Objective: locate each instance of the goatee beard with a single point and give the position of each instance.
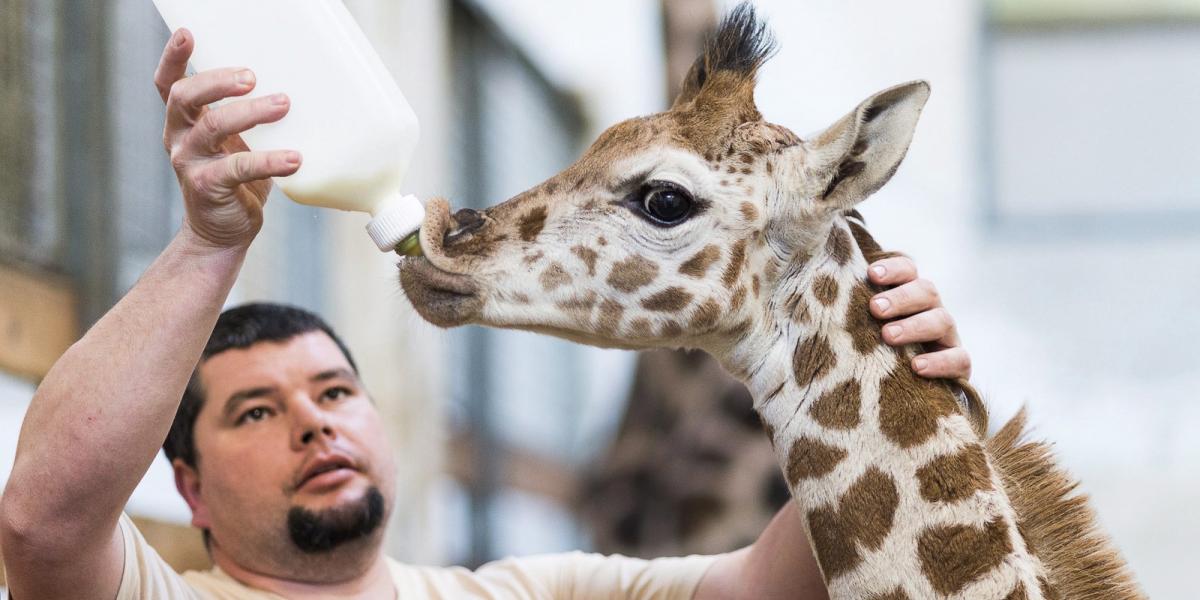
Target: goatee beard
(314, 532)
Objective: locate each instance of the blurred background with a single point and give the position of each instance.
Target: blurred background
(1052, 192)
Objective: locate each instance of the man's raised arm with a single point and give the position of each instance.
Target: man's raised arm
(100, 415)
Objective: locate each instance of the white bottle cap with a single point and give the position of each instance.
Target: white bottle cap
(394, 220)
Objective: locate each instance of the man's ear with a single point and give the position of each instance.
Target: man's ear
(187, 481)
(860, 152)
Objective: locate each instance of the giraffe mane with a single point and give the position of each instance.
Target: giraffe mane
(1055, 519)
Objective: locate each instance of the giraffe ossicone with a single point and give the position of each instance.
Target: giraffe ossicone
(707, 227)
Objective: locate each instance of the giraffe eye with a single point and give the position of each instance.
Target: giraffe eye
(666, 203)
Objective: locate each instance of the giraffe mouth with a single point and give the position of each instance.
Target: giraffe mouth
(443, 298)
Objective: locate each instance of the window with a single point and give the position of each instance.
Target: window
(1054, 69)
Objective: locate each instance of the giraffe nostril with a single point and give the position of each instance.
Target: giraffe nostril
(467, 221)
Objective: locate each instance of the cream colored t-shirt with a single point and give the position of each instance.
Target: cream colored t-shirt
(574, 575)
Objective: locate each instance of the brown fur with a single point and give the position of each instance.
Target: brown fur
(632, 274)
(839, 407)
(952, 556)
(825, 288)
(553, 277)
(812, 359)
(588, 256)
(896, 594)
(1018, 593)
(532, 223)
(698, 265)
(954, 477)
(865, 330)
(838, 246)
(810, 458)
(737, 257)
(672, 299)
(864, 515)
(909, 406)
(705, 316)
(1056, 520)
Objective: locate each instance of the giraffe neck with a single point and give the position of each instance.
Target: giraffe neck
(885, 468)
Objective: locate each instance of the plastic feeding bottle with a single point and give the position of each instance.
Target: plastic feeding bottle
(348, 118)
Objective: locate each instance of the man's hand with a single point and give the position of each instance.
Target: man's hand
(915, 313)
(224, 183)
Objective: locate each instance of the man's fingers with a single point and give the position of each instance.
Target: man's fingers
(219, 177)
(934, 325)
(173, 65)
(908, 299)
(188, 97)
(896, 270)
(217, 125)
(951, 363)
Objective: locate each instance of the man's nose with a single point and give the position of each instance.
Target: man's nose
(311, 425)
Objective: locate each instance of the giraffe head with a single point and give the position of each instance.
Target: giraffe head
(679, 229)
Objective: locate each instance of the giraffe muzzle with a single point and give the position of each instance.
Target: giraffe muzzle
(440, 297)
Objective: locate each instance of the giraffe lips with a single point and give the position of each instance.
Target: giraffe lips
(440, 297)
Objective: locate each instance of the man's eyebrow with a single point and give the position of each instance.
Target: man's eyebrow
(241, 396)
(338, 373)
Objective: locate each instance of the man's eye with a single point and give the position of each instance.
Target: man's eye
(335, 393)
(257, 413)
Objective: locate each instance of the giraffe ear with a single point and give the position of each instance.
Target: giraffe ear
(858, 154)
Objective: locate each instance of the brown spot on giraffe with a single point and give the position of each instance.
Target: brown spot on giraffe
(810, 458)
(746, 158)
(705, 316)
(770, 168)
(698, 265)
(839, 246)
(909, 406)
(737, 257)
(670, 329)
(954, 477)
(632, 274)
(600, 240)
(611, 312)
(640, 328)
(521, 298)
(952, 556)
(865, 330)
(551, 187)
(529, 259)
(813, 358)
(838, 408)
(756, 285)
(825, 288)
(864, 515)
(749, 213)
(588, 256)
(532, 223)
(579, 307)
(1017, 593)
(672, 299)
(554, 277)
(739, 298)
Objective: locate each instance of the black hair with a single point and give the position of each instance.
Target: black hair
(741, 43)
(239, 327)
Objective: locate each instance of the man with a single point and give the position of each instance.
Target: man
(276, 446)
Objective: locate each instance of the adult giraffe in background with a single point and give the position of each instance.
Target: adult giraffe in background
(707, 227)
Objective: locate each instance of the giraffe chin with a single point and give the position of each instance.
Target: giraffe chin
(440, 297)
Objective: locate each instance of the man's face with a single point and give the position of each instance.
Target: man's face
(287, 438)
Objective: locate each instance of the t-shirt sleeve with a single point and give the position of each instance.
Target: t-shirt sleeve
(146, 576)
(580, 576)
